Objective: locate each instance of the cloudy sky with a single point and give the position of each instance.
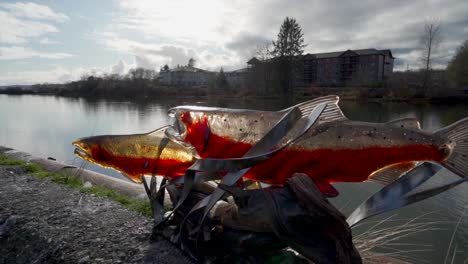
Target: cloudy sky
(59, 41)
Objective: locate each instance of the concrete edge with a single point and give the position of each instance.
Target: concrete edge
(131, 189)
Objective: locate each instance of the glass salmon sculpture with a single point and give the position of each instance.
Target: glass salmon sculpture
(335, 149)
(138, 154)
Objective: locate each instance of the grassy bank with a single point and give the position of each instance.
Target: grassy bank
(35, 170)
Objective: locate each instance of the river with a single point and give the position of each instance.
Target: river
(46, 125)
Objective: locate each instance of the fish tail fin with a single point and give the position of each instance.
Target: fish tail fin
(457, 138)
(332, 111)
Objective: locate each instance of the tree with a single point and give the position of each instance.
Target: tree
(218, 84)
(286, 49)
(141, 73)
(458, 66)
(263, 52)
(290, 41)
(261, 68)
(191, 62)
(221, 81)
(430, 41)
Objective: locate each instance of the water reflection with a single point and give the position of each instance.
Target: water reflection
(46, 125)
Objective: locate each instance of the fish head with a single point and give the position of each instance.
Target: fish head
(92, 149)
(191, 126)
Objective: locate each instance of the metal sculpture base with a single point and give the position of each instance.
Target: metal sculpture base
(257, 226)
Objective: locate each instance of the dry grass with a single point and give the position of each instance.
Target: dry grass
(383, 240)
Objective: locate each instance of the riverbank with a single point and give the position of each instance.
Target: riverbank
(42, 221)
(140, 91)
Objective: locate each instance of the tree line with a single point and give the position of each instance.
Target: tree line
(275, 73)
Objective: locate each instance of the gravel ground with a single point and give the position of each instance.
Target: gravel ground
(44, 222)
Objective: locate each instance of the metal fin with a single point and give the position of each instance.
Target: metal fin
(269, 140)
(332, 111)
(264, 144)
(407, 122)
(258, 153)
(390, 173)
(391, 196)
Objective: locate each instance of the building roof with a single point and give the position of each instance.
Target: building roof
(253, 61)
(238, 71)
(361, 52)
(188, 69)
(327, 55)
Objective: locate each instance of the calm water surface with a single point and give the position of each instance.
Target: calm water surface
(45, 126)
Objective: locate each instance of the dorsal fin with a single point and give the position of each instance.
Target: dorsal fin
(390, 173)
(332, 111)
(407, 122)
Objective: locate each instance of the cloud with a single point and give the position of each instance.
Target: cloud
(18, 53)
(34, 11)
(16, 31)
(153, 56)
(245, 44)
(60, 74)
(180, 21)
(226, 33)
(233, 29)
(47, 41)
(120, 68)
(32, 77)
(26, 22)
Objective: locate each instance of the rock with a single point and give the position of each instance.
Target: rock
(6, 225)
(84, 259)
(87, 185)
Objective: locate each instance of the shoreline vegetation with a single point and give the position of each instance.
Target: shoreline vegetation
(400, 87)
(79, 89)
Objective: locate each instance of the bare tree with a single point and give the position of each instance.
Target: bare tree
(260, 73)
(264, 51)
(430, 41)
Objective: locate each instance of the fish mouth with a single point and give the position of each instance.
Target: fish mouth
(81, 153)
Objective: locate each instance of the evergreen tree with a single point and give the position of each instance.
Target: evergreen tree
(221, 81)
(290, 41)
(287, 50)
